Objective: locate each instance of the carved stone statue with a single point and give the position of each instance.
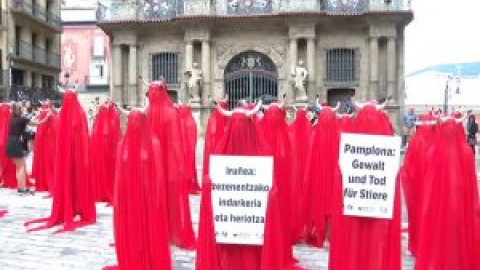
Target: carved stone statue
(194, 82)
(299, 76)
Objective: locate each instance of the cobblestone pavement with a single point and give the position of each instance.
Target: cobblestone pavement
(88, 248)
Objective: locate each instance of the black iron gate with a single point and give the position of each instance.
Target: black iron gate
(249, 76)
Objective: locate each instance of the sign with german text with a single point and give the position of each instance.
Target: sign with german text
(240, 186)
(369, 165)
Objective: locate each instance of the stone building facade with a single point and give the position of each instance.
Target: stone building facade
(29, 49)
(248, 48)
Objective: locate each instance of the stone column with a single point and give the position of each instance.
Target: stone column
(391, 66)
(207, 85)
(133, 76)
(311, 61)
(117, 74)
(293, 63)
(373, 89)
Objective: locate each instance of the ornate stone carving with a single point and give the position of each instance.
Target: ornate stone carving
(271, 50)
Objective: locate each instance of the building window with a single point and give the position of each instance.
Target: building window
(99, 71)
(98, 46)
(342, 65)
(166, 66)
(47, 82)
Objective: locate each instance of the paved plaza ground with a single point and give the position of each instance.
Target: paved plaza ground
(88, 248)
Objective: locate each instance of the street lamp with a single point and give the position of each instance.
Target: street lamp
(448, 87)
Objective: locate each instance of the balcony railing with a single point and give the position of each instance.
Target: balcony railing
(113, 10)
(36, 54)
(36, 11)
(34, 94)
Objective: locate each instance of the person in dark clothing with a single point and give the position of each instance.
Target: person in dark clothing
(15, 150)
(472, 130)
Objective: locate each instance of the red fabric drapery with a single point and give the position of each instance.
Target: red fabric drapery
(140, 210)
(104, 139)
(72, 191)
(165, 126)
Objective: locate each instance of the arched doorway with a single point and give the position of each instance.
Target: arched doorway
(342, 95)
(250, 75)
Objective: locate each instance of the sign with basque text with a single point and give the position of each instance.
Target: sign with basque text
(240, 187)
(369, 165)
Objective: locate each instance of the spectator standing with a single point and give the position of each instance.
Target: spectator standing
(409, 119)
(472, 130)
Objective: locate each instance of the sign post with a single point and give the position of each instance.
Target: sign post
(369, 165)
(240, 186)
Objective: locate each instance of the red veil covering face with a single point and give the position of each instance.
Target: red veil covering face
(240, 138)
(345, 123)
(320, 174)
(141, 233)
(213, 133)
(165, 125)
(413, 171)
(449, 224)
(276, 133)
(44, 149)
(188, 130)
(7, 168)
(359, 243)
(301, 132)
(103, 145)
(72, 194)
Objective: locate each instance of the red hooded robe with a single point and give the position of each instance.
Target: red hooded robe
(320, 174)
(140, 211)
(241, 138)
(103, 145)
(188, 129)
(359, 243)
(164, 122)
(7, 168)
(72, 191)
(213, 133)
(44, 150)
(448, 228)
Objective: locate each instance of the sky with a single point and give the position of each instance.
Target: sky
(442, 32)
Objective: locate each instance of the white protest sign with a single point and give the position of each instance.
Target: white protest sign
(369, 165)
(240, 186)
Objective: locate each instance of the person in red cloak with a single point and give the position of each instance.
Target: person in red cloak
(8, 177)
(104, 139)
(413, 172)
(322, 160)
(345, 123)
(3, 213)
(140, 210)
(164, 122)
(72, 191)
(359, 243)
(241, 138)
(447, 231)
(188, 130)
(44, 149)
(301, 132)
(213, 133)
(275, 132)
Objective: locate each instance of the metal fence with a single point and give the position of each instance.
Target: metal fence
(34, 94)
(36, 54)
